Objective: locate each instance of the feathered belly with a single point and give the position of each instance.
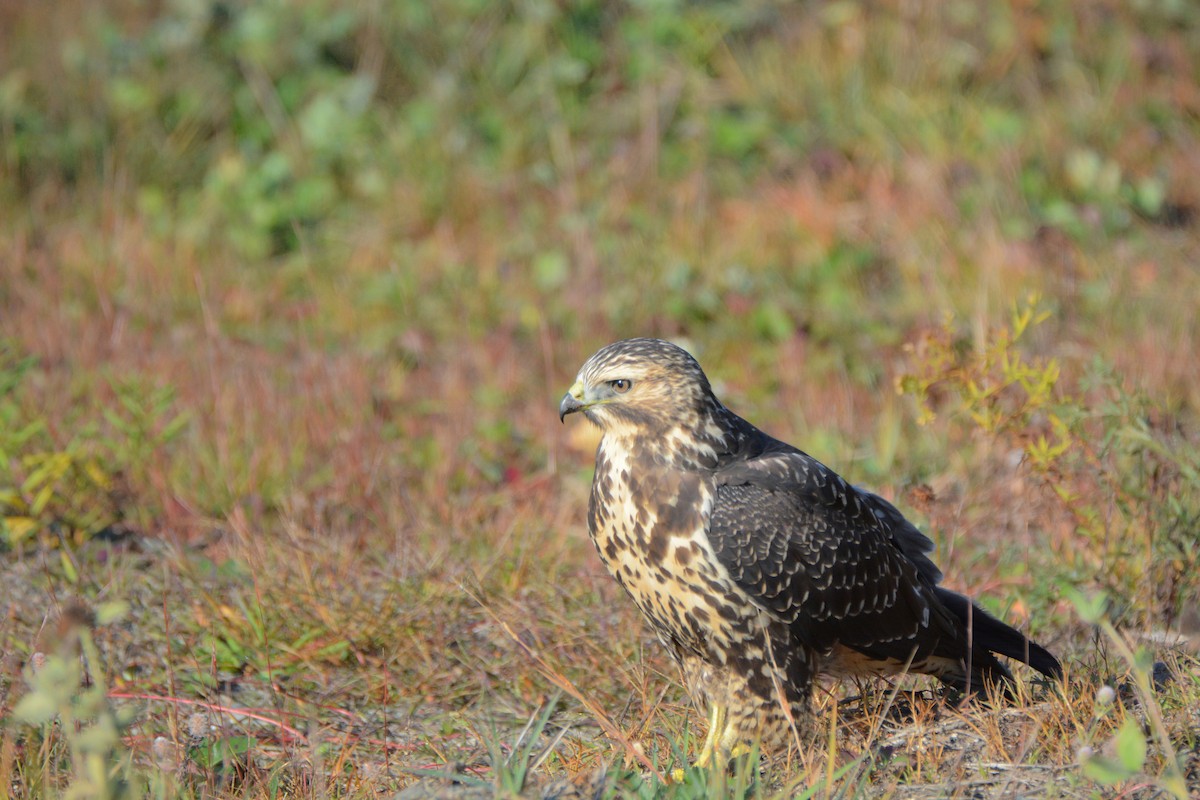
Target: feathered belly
(654, 545)
(846, 662)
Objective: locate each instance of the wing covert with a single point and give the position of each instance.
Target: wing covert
(825, 557)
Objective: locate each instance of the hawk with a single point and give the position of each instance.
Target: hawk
(760, 568)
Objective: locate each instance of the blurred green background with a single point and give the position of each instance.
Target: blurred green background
(457, 202)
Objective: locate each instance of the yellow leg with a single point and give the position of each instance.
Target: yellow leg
(716, 734)
(712, 742)
(730, 745)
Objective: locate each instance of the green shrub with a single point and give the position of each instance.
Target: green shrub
(1127, 477)
(64, 489)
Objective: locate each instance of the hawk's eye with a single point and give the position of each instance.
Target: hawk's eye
(621, 385)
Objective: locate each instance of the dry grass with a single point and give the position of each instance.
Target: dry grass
(362, 558)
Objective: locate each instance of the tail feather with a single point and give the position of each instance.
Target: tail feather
(989, 636)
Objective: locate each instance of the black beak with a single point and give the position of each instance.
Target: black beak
(569, 405)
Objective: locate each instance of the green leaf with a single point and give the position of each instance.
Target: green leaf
(1149, 196)
(1105, 770)
(1143, 660)
(1131, 745)
(228, 752)
(17, 529)
(1083, 168)
(35, 708)
(42, 499)
(1090, 608)
(100, 737)
(68, 567)
(112, 611)
(772, 323)
(172, 428)
(551, 270)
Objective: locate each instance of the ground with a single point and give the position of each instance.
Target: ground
(289, 294)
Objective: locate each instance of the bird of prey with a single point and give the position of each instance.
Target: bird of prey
(760, 568)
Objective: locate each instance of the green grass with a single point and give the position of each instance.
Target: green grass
(289, 293)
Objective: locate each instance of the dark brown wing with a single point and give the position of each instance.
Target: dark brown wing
(843, 566)
(813, 550)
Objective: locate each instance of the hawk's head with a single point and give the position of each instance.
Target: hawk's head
(641, 385)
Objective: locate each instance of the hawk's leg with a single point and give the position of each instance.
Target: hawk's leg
(722, 742)
(717, 716)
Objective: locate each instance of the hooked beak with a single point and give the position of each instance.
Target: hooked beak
(572, 401)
